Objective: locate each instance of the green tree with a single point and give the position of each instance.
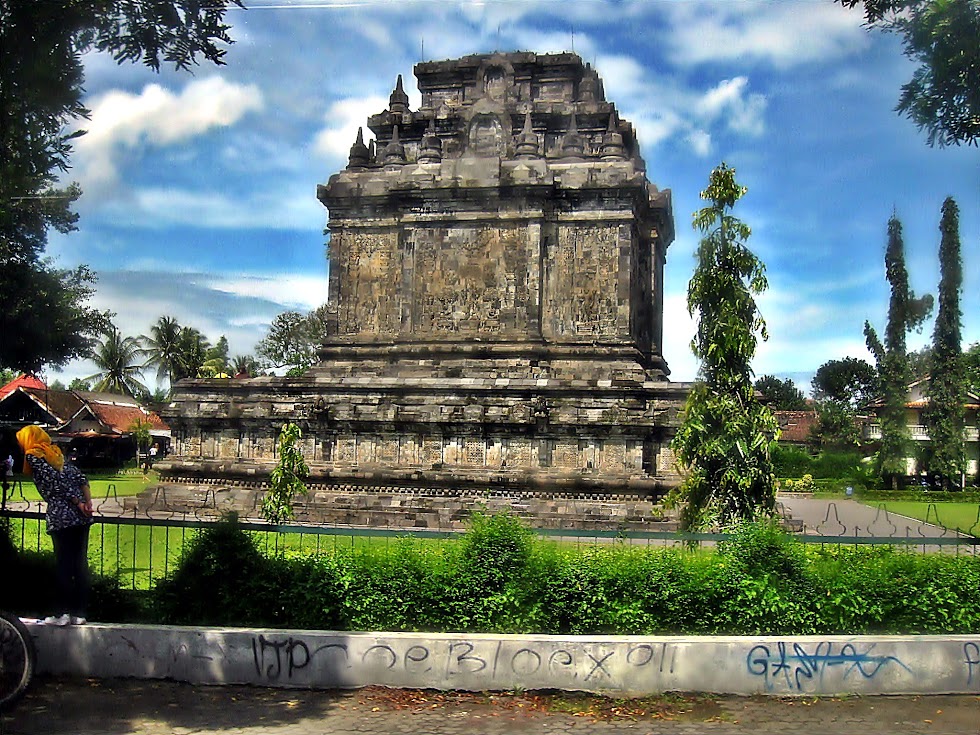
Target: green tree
(850, 381)
(162, 348)
(835, 427)
(726, 434)
(80, 384)
(905, 313)
(192, 353)
(44, 314)
(246, 365)
(140, 431)
(920, 362)
(944, 416)
(287, 477)
(118, 360)
(781, 395)
(971, 366)
(943, 36)
(294, 339)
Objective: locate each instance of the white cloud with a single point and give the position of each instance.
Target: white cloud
(344, 118)
(662, 108)
(299, 292)
(157, 117)
(700, 142)
(744, 113)
(293, 208)
(784, 33)
(238, 306)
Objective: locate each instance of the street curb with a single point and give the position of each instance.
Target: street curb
(619, 665)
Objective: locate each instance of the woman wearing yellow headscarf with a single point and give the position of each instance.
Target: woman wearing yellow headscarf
(69, 514)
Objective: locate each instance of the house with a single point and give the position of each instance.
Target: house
(916, 401)
(795, 427)
(93, 428)
(21, 381)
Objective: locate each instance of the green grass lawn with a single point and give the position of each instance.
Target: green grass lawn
(964, 516)
(103, 485)
(140, 554)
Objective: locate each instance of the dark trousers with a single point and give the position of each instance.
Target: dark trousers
(71, 559)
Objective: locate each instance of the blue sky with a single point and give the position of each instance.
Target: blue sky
(200, 190)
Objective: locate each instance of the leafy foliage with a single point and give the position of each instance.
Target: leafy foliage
(726, 433)
(222, 579)
(971, 365)
(760, 581)
(140, 431)
(835, 427)
(943, 96)
(44, 314)
(162, 348)
(294, 339)
(118, 360)
(781, 395)
(944, 415)
(850, 382)
(905, 313)
(286, 479)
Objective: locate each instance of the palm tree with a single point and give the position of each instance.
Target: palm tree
(117, 358)
(246, 365)
(192, 354)
(162, 348)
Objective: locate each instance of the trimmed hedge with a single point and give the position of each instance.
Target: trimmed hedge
(499, 578)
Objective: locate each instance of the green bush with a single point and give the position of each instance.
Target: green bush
(838, 466)
(498, 578)
(791, 461)
(222, 579)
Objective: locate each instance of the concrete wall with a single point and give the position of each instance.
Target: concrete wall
(621, 665)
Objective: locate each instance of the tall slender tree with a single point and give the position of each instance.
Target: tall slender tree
(947, 383)
(905, 313)
(120, 368)
(162, 348)
(726, 434)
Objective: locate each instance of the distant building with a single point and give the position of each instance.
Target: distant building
(95, 428)
(21, 381)
(795, 427)
(915, 404)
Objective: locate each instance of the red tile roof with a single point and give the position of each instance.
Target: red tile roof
(795, 426)
(21, 381)
(119, 418)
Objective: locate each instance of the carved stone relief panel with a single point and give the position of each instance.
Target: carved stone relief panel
(346, 449)
(614, 455)
(584, 276)
(487, 137)
(474, 452)
(519, 453)
(388, 450)
(566, 454)
(470, 281)
(431, 450)
(369, 278)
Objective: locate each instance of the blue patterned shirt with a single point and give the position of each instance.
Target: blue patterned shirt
(62, 491)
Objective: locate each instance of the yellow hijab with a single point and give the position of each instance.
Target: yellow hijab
(35, 441)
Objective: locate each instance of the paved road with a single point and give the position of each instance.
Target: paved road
(843, 518)
(118, 707)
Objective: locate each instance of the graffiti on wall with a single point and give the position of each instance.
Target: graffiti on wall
(794, 666)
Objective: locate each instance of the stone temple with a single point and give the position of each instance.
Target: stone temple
(496, 294)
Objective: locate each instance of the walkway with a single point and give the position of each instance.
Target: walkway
(118, 707)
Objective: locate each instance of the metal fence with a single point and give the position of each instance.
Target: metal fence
(141, 547)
